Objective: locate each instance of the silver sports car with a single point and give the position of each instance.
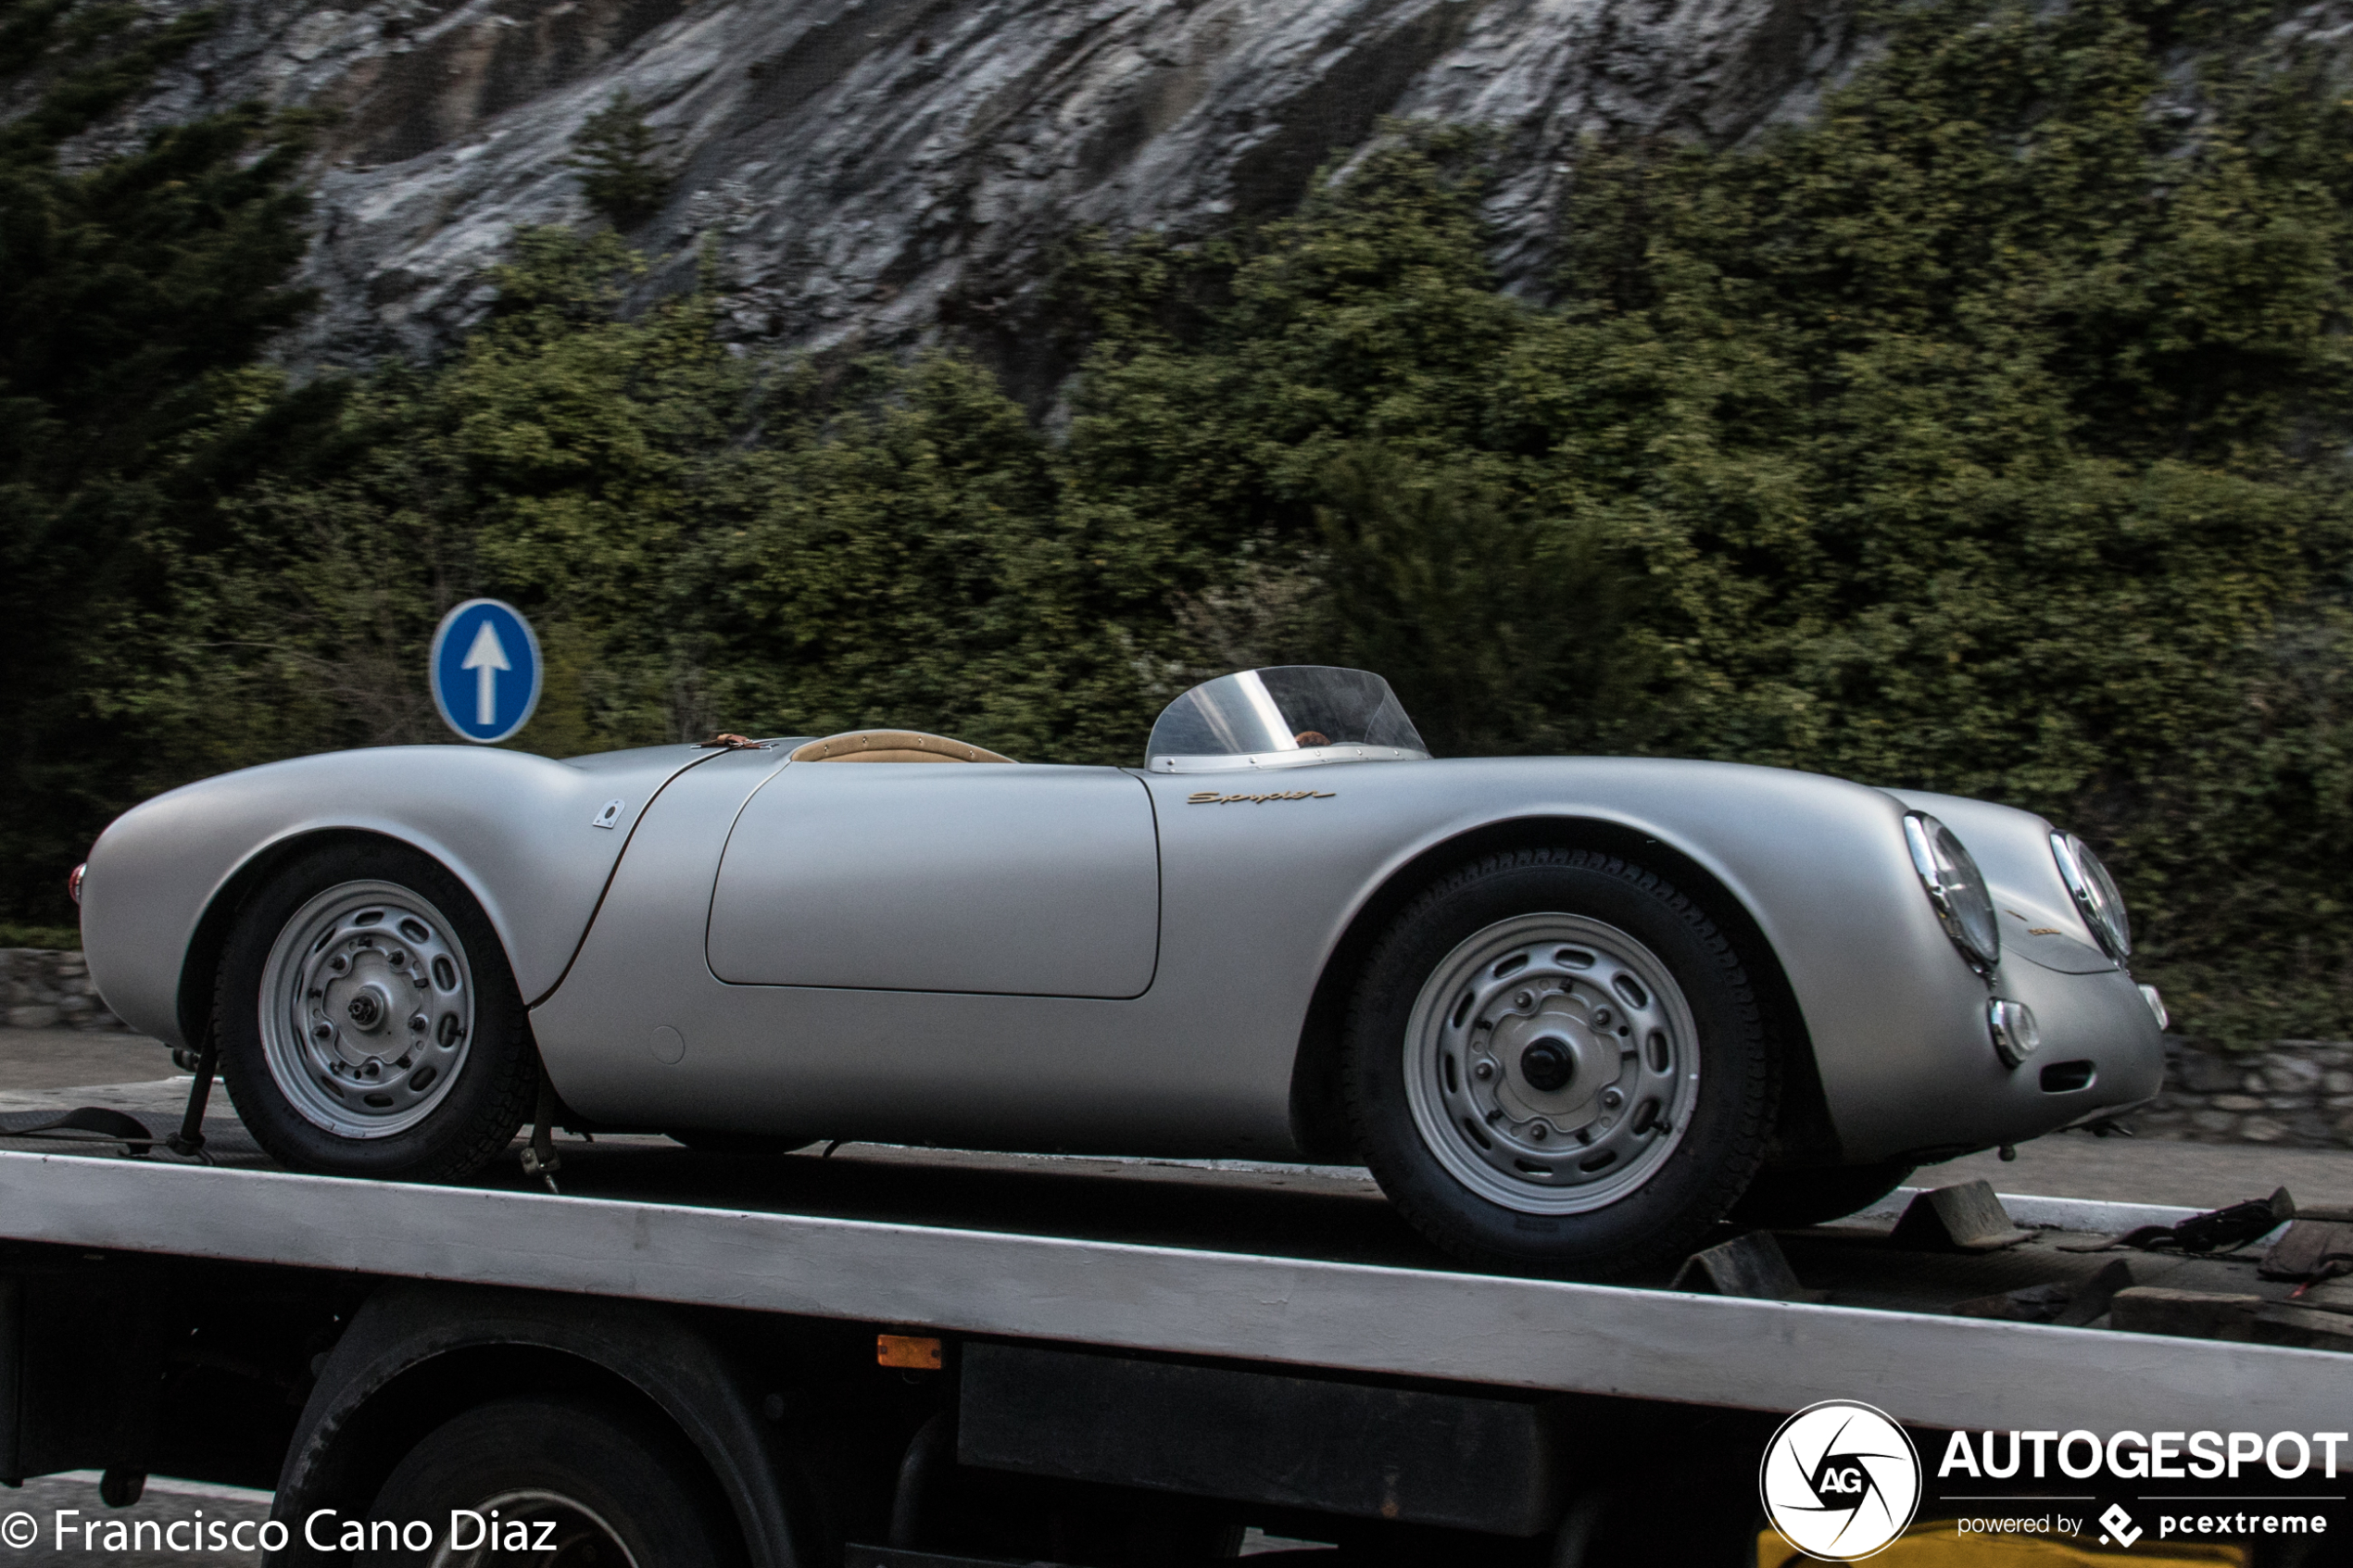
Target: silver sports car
(1572, 1012)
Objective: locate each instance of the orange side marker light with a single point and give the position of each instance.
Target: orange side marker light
(913, 1352)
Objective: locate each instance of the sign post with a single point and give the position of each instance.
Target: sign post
(485, 670)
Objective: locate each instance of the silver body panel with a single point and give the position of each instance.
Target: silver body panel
(919, 876)
(856, 892)
(517, 829)
(1928, 1369)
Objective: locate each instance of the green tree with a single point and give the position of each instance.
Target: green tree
(125, 289)
(1979, 434)
(617, 155)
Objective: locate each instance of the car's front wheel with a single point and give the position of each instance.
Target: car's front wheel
(368, 1021)
(1556, 1062)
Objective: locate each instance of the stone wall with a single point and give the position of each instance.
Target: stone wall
(40, 989)
(2297, 1094)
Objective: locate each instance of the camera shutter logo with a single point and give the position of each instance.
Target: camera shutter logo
(1840, 1480)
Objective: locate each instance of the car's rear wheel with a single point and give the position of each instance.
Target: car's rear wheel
(1556, 1062)
(544, 1480)
(369, 1022)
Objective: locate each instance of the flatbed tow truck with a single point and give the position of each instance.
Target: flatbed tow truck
(886, 1357)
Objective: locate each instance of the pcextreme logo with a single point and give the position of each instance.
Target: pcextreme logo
(1840, 1480)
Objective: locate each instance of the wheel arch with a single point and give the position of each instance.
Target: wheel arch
(416, 1355)
(1802, 1133)
(194, 998)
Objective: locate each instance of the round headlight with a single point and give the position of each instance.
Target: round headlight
(1956, 887)
(2096, 894)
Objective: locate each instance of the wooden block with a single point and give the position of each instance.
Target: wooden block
(2308, 1249)
(2329, 1296)
(2033, 1303)
(1751, 1266)
(2095, 1295)
(2280, 1323)
(1964, 1217)
(2185, 1315)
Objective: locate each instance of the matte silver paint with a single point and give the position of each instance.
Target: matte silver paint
(1943, 1372)
(921, 876)
(1254, 899)
(515, 829)
(1255, 896)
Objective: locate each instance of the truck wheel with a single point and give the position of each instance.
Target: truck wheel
(557, 1480)
(1786, 1199)
(1556, 1062)
(368, 1020)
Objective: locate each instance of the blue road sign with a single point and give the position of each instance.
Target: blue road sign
(485, 670)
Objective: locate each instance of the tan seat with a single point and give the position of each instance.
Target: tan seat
(891, 746)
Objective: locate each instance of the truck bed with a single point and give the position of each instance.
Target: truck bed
(1296, 1265)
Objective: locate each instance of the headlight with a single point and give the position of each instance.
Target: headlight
(2096, 894)
(2016, 1035)
(1956, 887)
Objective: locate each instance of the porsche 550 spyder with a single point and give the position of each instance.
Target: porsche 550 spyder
(1571, 1011)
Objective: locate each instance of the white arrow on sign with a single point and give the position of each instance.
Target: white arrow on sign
(485, 659)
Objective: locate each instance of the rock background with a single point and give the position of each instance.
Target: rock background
(897, 171)
(40, 989)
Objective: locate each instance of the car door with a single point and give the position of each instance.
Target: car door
(1020, 880)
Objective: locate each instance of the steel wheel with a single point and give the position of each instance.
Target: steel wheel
(367, 1009)
(1554, 1060)
(367, 1018)
(1550, 1060)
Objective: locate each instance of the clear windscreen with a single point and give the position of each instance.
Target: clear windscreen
(1292, 707)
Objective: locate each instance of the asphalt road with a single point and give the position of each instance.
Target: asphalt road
(56, 1058)
(65, 1503)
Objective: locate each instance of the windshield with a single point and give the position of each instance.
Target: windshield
(1285, 717)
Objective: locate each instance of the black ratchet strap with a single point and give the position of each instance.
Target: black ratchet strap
(91, 1123)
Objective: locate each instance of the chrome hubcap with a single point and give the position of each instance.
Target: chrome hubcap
(1550, 1063)
(367, 1009)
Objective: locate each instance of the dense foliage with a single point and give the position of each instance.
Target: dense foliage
(123, 290)
(1982, 433)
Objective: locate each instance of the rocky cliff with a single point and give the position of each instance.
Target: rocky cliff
(885, 171)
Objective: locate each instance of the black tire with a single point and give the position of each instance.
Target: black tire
(750, 1145)
(1784, 1199)
(1673, 1197)
(488, 1088)
(600, 1478)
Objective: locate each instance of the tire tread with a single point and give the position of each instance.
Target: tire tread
(493, 1123)
(1755, 1051)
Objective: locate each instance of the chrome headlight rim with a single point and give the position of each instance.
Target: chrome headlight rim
(2098, 898)
(1955, 889)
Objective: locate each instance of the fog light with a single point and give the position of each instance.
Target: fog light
(2157, 1005)
(2014, 1036)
